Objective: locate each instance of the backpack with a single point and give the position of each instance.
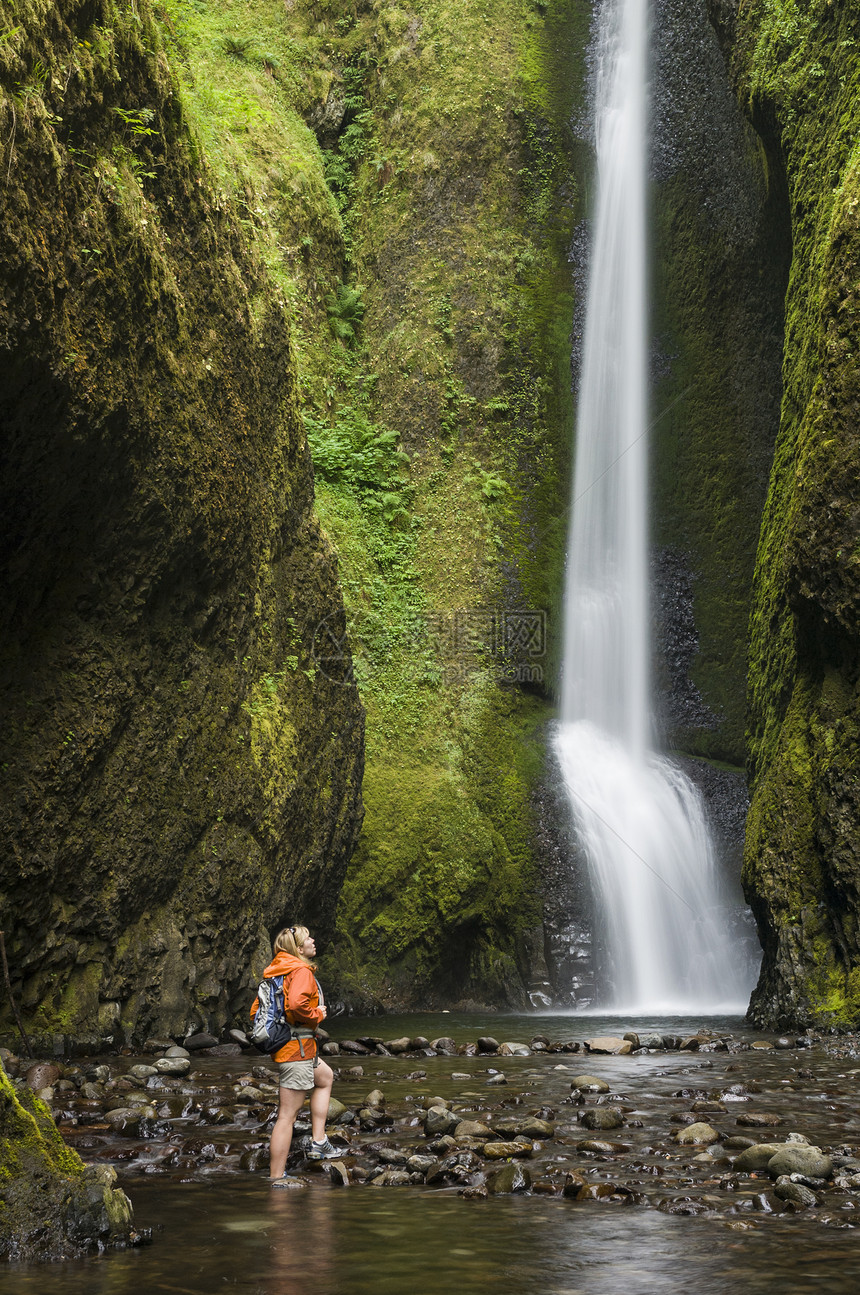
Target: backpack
(270, 1029)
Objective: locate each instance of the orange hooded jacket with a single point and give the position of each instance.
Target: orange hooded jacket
(301, 1004)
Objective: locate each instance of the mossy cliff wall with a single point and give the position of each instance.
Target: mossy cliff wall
(176, 775)
(408, 173)
(797, 70)
(718, 284)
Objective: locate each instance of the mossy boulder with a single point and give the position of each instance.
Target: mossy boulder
(52, 1206)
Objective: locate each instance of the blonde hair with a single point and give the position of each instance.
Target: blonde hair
(291, 940)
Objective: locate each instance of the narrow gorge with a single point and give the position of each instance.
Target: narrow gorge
(292, 298)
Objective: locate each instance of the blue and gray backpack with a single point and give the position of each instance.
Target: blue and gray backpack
(270, 1029)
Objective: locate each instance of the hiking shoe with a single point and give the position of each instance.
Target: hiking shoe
(324, 1150)
(286, 1182)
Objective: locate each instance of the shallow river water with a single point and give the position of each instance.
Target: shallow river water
(218, 1228)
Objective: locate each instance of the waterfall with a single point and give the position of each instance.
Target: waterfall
(639, 819)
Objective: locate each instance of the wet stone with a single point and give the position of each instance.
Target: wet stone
(602, 1117)
(598, 1146)
(698, 1134)
(759, 1120)
(503, 1150)
(445, 1046)
(756, 1158)
(42, 1075)
(589, 1084)
(175, 1065)
(439, 1120)
(472, 1129)
(510, 1178)
(497, 1080)
(787, 1190)
(512, 1049)
(488, 1044)
(795, 1158)
(609, 1044)
(196, 1041)
(376, 1098)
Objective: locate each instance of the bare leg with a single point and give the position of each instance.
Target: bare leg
(290, 1103)
(323, 1080)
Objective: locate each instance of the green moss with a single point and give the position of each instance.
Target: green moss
(797, 70)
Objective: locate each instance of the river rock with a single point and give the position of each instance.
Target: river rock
(375, 1098)
(510, 1178)
(756, 1158)
(124, 1120)
(445, 1047)
(337, 1111)
(173, 1065)
(651, 1040)
(439, 1120)
(795, 1158)
(759, 1120)
(515, 1050)
(472, 1129)
(195, 1042)
(497, 1079)
(354, 1047)
(609, 1044)
(42, 1075)
(488, 1044)
(396, 1046)
(390, 1155)
(698, 1134)
(589, 1084)
(142, 1072)
(632, 1038)
(391, 1178)
(602, 1117)
(572, 1184)
(419, 1043)
(503, 1150)
(786, 1190)
(601, 1147)
(532, 1127)
(419, 1164)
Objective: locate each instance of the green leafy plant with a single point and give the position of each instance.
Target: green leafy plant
(345, 311)
(238, 47)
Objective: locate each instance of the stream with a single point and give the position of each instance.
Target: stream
(218, 1227)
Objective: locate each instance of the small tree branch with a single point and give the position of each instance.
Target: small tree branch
(11, 996)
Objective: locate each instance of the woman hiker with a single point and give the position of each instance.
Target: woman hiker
(301, 1069)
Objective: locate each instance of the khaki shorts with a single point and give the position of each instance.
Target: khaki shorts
(298, 1074)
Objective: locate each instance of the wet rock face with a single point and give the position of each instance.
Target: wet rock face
(802, 860)
(177, 773)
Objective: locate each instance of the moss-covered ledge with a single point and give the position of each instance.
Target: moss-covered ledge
(797, 71)
(52, 1206)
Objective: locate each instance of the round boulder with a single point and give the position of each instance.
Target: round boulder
(700, 1135)
(796, 1158)
(602, 1117)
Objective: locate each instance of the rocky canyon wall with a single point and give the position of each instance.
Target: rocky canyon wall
(177, 775)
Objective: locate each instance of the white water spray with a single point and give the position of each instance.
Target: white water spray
(640, 820)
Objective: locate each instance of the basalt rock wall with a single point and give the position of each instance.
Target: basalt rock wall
(177, 776)
(797, 73)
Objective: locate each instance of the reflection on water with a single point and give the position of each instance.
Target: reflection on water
(233, 1233)
(247, 1239)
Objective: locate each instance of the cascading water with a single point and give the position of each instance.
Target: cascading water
(640, 820)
